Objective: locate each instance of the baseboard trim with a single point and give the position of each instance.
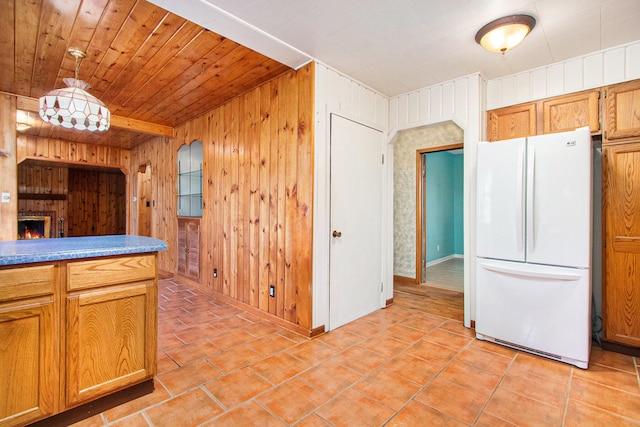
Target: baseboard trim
(308, 333)
(621, 348)
(90, 409)
(389, 303)
(405, 280)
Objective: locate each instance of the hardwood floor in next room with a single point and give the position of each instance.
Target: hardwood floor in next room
(440, 295)
(220, 366)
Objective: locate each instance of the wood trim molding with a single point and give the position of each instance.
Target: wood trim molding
(405, 279)
(308, 333)
(32, 105)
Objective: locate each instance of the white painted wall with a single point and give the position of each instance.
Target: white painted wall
(463, 101)
(337, 93)
(459, 101)
(606, 67)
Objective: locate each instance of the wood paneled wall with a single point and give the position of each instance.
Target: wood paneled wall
(161, 155)
(55, 150)
(256, 228)
(8, 168)
(97, 203)
(44, 180)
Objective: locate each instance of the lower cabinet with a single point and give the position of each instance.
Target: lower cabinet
(109, 340)
(29, 356)
(67, 339)
(189, 248)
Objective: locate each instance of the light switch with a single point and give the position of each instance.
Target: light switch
(6, 197)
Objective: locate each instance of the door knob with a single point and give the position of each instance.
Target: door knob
(337, 233)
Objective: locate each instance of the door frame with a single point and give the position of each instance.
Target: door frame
(421, 196)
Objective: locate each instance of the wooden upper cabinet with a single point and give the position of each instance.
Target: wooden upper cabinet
(623, 110)
(512, 122)
(567, 113)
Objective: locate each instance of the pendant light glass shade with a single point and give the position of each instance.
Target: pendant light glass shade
(505, 33)
(73, 107)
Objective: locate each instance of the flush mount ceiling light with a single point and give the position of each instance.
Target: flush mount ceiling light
(505, 33)
(73, 107)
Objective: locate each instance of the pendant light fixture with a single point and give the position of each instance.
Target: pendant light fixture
(505, 33)
(73, 107)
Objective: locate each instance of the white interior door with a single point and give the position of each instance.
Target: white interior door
(355, 276)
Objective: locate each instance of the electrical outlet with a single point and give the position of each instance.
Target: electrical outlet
(215, 273)
(272, 291)
(438, 248)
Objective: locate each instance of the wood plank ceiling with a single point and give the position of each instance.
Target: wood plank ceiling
(150, 67)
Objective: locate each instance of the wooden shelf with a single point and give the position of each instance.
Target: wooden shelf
(41, 196)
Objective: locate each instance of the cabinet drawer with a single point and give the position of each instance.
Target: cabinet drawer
(25, 282)
(109, 271)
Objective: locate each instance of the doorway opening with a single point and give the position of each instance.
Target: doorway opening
(409, 197)
(439, 217)
(145, 200)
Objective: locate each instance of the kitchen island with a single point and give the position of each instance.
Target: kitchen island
(78, 324)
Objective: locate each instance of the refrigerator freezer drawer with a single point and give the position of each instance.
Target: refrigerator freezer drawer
(540, 308)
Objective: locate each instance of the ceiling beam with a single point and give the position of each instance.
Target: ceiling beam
(26, 103)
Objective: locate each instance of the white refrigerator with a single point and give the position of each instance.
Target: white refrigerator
(533, 277)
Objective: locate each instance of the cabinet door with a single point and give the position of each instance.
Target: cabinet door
(111, 341)
(623, 110)
(621, 293)
(189, 248)
(511, 122)
(567, 113)
(29, 352)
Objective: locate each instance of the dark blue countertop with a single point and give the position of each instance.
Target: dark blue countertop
(41, 250)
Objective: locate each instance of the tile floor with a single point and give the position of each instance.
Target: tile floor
(219, 366)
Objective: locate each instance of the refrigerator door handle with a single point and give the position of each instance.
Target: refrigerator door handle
(520, 206)
(531, 175)
(552, 274)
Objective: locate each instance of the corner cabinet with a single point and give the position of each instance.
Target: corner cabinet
(29, 352)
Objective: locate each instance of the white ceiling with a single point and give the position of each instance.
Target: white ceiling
(397, 46)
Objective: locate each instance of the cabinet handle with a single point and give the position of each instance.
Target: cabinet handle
(337, 233)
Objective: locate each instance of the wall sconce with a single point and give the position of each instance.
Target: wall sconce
(505, 33)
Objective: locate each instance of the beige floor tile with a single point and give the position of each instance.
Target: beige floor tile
(293, 400)
(580, 414)
(235, 358)
(451, 399)
(279, 368)
(417, 414)
(330, 377)
(603, 397)
(187, 377)
(448, 339)
(188, 409)
(388, 388)
(470, 377)
(353, 408)
(249, 414)
(238, 387)
(432, 353)
(412, 368)
(523, 411)
(360, 359)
